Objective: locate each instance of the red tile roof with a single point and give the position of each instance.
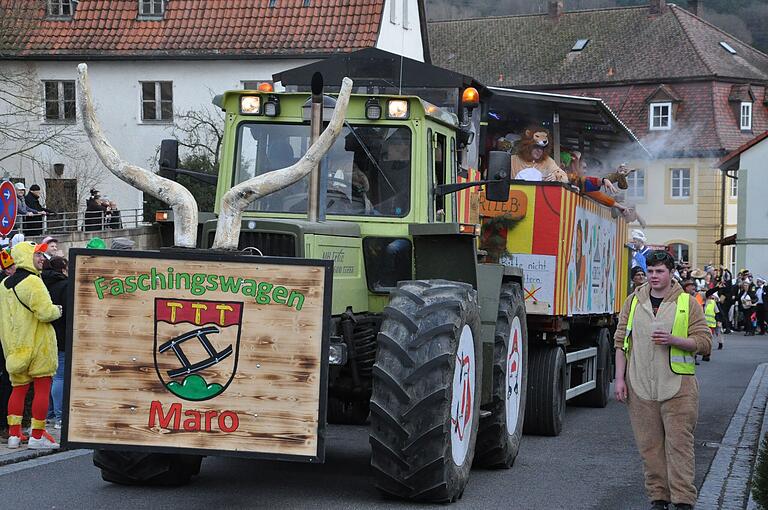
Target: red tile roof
(726, 160)
(189, 28)
(705, 123)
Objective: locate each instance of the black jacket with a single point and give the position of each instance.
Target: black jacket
(58, 288)
(33, 202)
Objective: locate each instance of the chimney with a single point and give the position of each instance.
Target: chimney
(555, 9)
(658, 6)
(693, 6)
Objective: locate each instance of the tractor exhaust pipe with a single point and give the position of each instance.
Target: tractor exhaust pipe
(239, 197)
(314, 212)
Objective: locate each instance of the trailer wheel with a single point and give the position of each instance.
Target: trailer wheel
(347, 412)
(545, 405)
(427, 378)
(599, 396)
(135, 468)
(498, 439)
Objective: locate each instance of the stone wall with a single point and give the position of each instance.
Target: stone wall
(146, 238)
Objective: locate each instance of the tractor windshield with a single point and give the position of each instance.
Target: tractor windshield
(367, 172)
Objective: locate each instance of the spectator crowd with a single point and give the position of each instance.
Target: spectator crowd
(34, 300)
(31, 213)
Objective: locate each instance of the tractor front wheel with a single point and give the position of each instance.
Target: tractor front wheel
(135, 468)
(426, 391)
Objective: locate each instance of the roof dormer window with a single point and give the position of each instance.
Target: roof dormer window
(151, 8)
(61, 8)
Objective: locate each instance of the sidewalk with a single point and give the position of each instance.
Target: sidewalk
(728, 482)
(22, 453)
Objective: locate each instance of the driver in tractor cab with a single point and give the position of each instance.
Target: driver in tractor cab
(395, 166)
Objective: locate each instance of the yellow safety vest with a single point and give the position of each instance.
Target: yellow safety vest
(709, 313)
(681, 362)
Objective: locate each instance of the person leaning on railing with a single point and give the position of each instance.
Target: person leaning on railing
(95, 211)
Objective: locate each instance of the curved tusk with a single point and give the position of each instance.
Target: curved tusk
(172, 193)
(239, 197)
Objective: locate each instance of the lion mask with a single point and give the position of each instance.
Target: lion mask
(534, 137)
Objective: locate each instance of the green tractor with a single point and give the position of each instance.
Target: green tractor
(426, 340)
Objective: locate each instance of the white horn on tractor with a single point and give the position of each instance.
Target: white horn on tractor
(239, 197)
(174, 194)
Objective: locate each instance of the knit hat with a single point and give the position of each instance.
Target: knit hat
(34, 187)
(122, 243)
(6, 260)
(97, 243)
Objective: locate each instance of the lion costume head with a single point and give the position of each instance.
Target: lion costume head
(534, 138)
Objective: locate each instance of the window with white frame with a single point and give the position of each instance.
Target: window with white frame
(681, 182)
(636, 185)
(59, 100)
(732, 259)
(59, 7)
(734, 188)
(151, 7)
(681, 252)
(660, 116)
(157, 101)
(745, 117)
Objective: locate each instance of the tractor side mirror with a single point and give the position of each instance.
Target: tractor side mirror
(499, 170)
(169, 156)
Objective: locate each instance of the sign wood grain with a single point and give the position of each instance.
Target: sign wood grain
(214, 354)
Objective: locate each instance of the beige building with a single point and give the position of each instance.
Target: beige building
(680, 200)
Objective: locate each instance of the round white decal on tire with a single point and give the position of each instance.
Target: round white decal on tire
(514, 374)
(462, 401)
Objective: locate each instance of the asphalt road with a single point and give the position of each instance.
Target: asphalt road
(592, 465)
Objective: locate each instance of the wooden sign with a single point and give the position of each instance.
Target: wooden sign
(515, 207)
(198, 352)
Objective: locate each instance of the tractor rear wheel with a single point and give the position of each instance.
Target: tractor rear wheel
(498, 439)
(135, 468)
(427, 378)
(545, 405)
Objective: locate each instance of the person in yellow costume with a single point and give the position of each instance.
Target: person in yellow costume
(29, 342)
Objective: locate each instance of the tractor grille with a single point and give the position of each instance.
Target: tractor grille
(270, 244)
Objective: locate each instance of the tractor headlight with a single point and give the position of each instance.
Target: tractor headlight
(397, 109)
(337, 354)
(272, 107)
(372, 109)
(250, 105)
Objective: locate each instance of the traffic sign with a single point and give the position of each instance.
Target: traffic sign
(7, 207)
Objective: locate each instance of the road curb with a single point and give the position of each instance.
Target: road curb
(728, 480)
(24, 454)
(751, 503)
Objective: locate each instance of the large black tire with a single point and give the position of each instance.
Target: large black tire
(600, 396)
(421, 446)
(545, 405)
(498, 440)
(135, 468)
(347, 412)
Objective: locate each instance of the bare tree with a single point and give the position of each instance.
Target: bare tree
(22, 108)
(201, 132)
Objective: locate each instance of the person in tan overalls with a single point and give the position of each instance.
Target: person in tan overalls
(660, 330)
